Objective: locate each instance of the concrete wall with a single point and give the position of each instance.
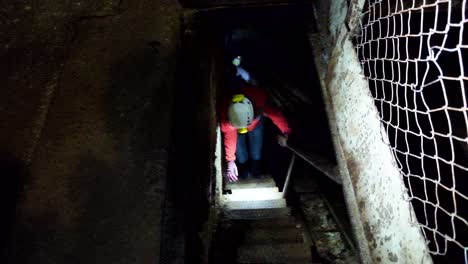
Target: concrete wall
(86, 110)
(381, 217)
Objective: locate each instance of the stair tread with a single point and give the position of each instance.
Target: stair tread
(274, 253)
(280, 222)
(251, 183)
(253, 197)
(274, 235)
(256, 204)
(270, 193)
(257, 213)
(266, 190)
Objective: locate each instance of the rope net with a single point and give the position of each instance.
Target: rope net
(413, 53)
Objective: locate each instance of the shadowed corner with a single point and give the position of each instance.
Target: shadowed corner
(13, 172)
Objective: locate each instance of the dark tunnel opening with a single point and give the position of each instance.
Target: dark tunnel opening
(277, 53)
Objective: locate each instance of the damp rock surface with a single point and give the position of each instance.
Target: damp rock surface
(87, 89)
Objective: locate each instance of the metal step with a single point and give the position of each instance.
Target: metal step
(270, 193)
(275, 253)
(254, 194)
(257, 213)
(274, 236)
(259, 204)
(257, 191)
(281, 222)
(251, 183)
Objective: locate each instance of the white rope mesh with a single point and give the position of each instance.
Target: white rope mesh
(413, 54)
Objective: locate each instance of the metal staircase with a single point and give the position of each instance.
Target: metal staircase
(257, 227)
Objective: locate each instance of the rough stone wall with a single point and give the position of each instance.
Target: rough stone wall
(86, 110)
(381, 217)
(378, 187)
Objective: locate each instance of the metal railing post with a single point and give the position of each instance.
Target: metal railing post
(288, 176)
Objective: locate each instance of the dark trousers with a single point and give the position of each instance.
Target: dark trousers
(250, 145)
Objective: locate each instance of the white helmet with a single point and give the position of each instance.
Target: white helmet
(237, 61)
(241, 113)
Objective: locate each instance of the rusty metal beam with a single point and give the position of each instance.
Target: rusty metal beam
(325, 166)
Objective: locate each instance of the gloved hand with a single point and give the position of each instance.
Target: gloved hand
(243, 74)
(231, 172)
(282, 140)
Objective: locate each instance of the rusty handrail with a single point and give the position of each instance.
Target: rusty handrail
(326, 167)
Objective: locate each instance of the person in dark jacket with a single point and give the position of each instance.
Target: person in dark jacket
(241, 119)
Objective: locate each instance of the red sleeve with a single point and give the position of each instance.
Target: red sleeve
(229, 134)
(278, 118)
(230, 141)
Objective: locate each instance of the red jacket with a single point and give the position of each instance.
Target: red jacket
(259, 100)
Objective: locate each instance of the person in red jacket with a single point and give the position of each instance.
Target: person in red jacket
(241, 120)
